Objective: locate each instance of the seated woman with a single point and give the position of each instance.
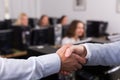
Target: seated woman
(21, 30)
(75, 33)
(43, 22)
(63, 20)
(22, 20)
(59, 29)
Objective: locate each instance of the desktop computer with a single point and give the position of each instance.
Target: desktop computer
(21, 37)
(44, 36)
(96, 28)
(64, 30)
(5, 41)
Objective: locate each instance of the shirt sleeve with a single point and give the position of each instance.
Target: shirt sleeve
(103, 54)
(31, 69)
(88, 51)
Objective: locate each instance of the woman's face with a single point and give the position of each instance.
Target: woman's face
(64, 21)
(45, 21)
(79, 30)
(24, 20)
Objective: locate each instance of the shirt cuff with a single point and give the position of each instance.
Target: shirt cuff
(51, 63)
(88, 51)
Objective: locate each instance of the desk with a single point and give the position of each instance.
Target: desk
(13, 55)
(41, 50)
(17, 54)
(99, 40)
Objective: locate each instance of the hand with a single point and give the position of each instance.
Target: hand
(77, 49)
(72, 62)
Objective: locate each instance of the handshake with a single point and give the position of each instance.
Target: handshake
(72, 58)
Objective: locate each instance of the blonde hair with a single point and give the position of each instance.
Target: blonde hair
(18, 21)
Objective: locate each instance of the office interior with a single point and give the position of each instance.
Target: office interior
(40, 27)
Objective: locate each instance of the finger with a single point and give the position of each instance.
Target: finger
(63, 49)
(68, 53)
(75, 68)
(62, 72)
(81, 60)
(79, 66)
(67, 73)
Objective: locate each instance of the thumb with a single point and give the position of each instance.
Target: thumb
(68, 53)
(63, 49)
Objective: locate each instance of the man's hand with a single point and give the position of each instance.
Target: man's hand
(76, 49)
(72, 62)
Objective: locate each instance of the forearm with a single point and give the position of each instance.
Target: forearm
(33, 68)
(103, 54)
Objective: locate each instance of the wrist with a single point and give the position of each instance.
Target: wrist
(81, 50)
(84, 51)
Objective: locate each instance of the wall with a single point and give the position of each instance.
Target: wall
(1, 9)
(31, 7)
(96, 10)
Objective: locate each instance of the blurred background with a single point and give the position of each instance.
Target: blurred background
(39, 27)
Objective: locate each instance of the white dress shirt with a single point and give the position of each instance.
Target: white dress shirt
(33, 68)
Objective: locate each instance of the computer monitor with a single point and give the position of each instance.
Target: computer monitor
(53, 20)
(96, 28)
(33, 22)
(44, 36)
(2, 25)
(21, 37)
(51, 35)
(6, 24)
(64, 30)
(38, 36)
(5, 41)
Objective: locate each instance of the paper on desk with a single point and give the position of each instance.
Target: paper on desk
(40, 47)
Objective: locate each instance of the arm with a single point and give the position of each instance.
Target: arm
(33, 68)
(103, 54)
(39, 67)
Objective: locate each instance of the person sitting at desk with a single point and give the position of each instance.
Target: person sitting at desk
(22, 29)
(59, 29)
(75, 33)
(63, 20)
(22, 20)
(43, 22)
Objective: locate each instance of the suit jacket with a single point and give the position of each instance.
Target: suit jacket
(103, 54)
